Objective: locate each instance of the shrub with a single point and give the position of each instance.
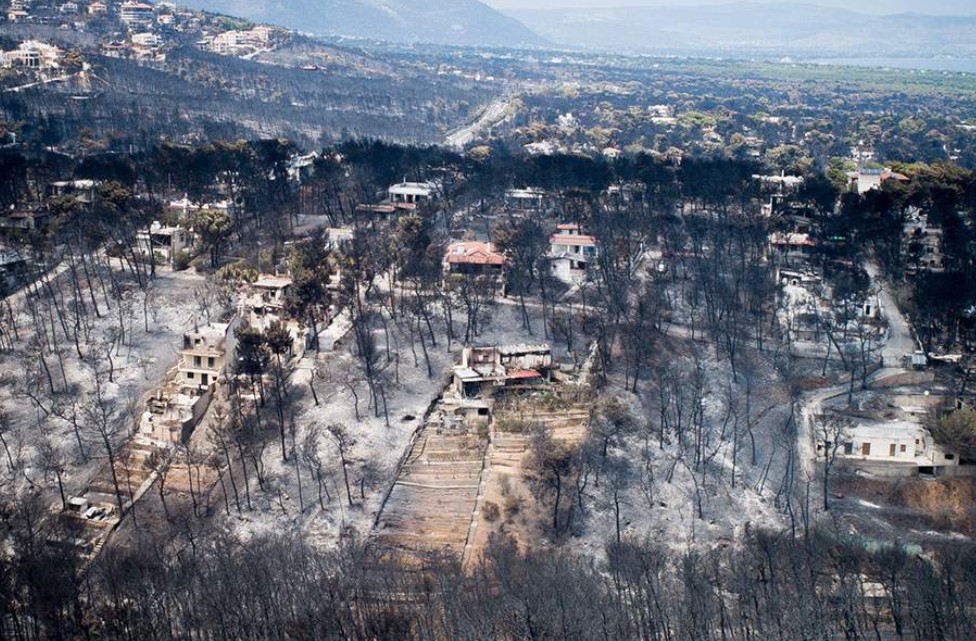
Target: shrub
(490, 511)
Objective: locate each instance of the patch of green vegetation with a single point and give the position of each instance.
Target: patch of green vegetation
(231, 23)
(912, 81)
(512, 425)
(697, 119)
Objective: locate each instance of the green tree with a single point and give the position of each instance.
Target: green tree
(311, 269)
(252, 357)
(214, 227)
(957, 432)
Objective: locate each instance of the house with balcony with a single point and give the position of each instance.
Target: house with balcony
(413, 193)
(527, 199)
(136, 14)
(173, 412)
(571, 252)
(792, 247)
(204, 355)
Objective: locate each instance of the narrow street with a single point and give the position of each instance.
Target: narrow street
(899, 342)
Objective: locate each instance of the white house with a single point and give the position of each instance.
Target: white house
(895, 448)
(412, 192)
(136, 14)
(570, 252)
(204, 356)
(146, 39)
(922, 245)
(33, 54)
(164, 241)
(528, 198)
(263, 303)
(865, 180)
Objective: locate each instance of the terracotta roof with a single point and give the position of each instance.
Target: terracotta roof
(522, 374)
(572, 239)
(473, 253)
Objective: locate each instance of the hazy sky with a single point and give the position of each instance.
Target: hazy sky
(935, 7)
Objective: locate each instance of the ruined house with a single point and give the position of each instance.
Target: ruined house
(204, 355)
(164, 241)
(263, 302)
(485, 369)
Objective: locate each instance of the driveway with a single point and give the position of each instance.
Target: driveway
(900, 340)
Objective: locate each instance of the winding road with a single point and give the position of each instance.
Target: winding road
(899, 342)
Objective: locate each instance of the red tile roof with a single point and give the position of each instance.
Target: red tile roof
(522, 374)
(572, 239)
(473, 253)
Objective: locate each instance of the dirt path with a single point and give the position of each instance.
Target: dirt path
(429, 509)
(506, 504)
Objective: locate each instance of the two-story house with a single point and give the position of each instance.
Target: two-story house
(571, 252)
(204, 355)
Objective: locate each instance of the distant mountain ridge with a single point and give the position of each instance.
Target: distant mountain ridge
(753, 28)
(448, 22)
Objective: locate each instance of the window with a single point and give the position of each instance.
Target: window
(865, 449)
(891, 450)
(950, 457)
(848, 448)
(190, 375)
(904, 448)
(210, 362)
